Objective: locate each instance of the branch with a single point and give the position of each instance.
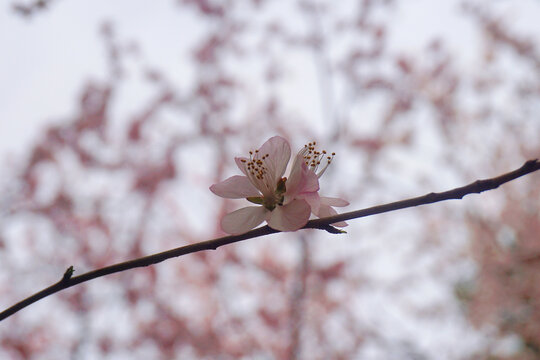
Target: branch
(476, 187)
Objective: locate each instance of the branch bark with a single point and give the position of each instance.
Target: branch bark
(476, 187)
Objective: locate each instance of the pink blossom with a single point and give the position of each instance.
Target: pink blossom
(285, 203)
(320, 206)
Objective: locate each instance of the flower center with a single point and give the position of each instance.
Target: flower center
(258, 174)
(315, 159)
(255, 165)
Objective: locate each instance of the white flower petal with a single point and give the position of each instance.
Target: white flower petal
(235, 187)
(301, 179)
(334, 201)
(290, 217)
(279, 153)
(243, 220)
(326, 210)
(241, 162)
(313, 199)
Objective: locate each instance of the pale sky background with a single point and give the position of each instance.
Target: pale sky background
(46, 60)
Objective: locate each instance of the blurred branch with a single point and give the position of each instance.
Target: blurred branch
(31, 8)
(476, 187)
(298, 298)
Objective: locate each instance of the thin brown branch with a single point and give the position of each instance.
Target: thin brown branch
(455, 194)
(476, 187)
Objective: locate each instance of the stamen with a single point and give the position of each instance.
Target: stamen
(313, 158)
(258, 174)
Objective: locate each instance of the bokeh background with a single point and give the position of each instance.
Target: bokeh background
(116, 117)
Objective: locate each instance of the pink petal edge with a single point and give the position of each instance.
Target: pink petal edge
(279, 153)
(313, 199)
(289, 217)
(326, 211)
(301, 179)
(241, 165)
(235, 187)
(334, 201)
(243, 220)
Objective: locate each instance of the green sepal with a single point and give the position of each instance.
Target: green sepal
(255, 199)
(281, 188)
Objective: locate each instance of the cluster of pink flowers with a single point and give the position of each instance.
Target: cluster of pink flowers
(285, 203)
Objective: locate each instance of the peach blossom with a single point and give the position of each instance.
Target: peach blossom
(284, 203)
